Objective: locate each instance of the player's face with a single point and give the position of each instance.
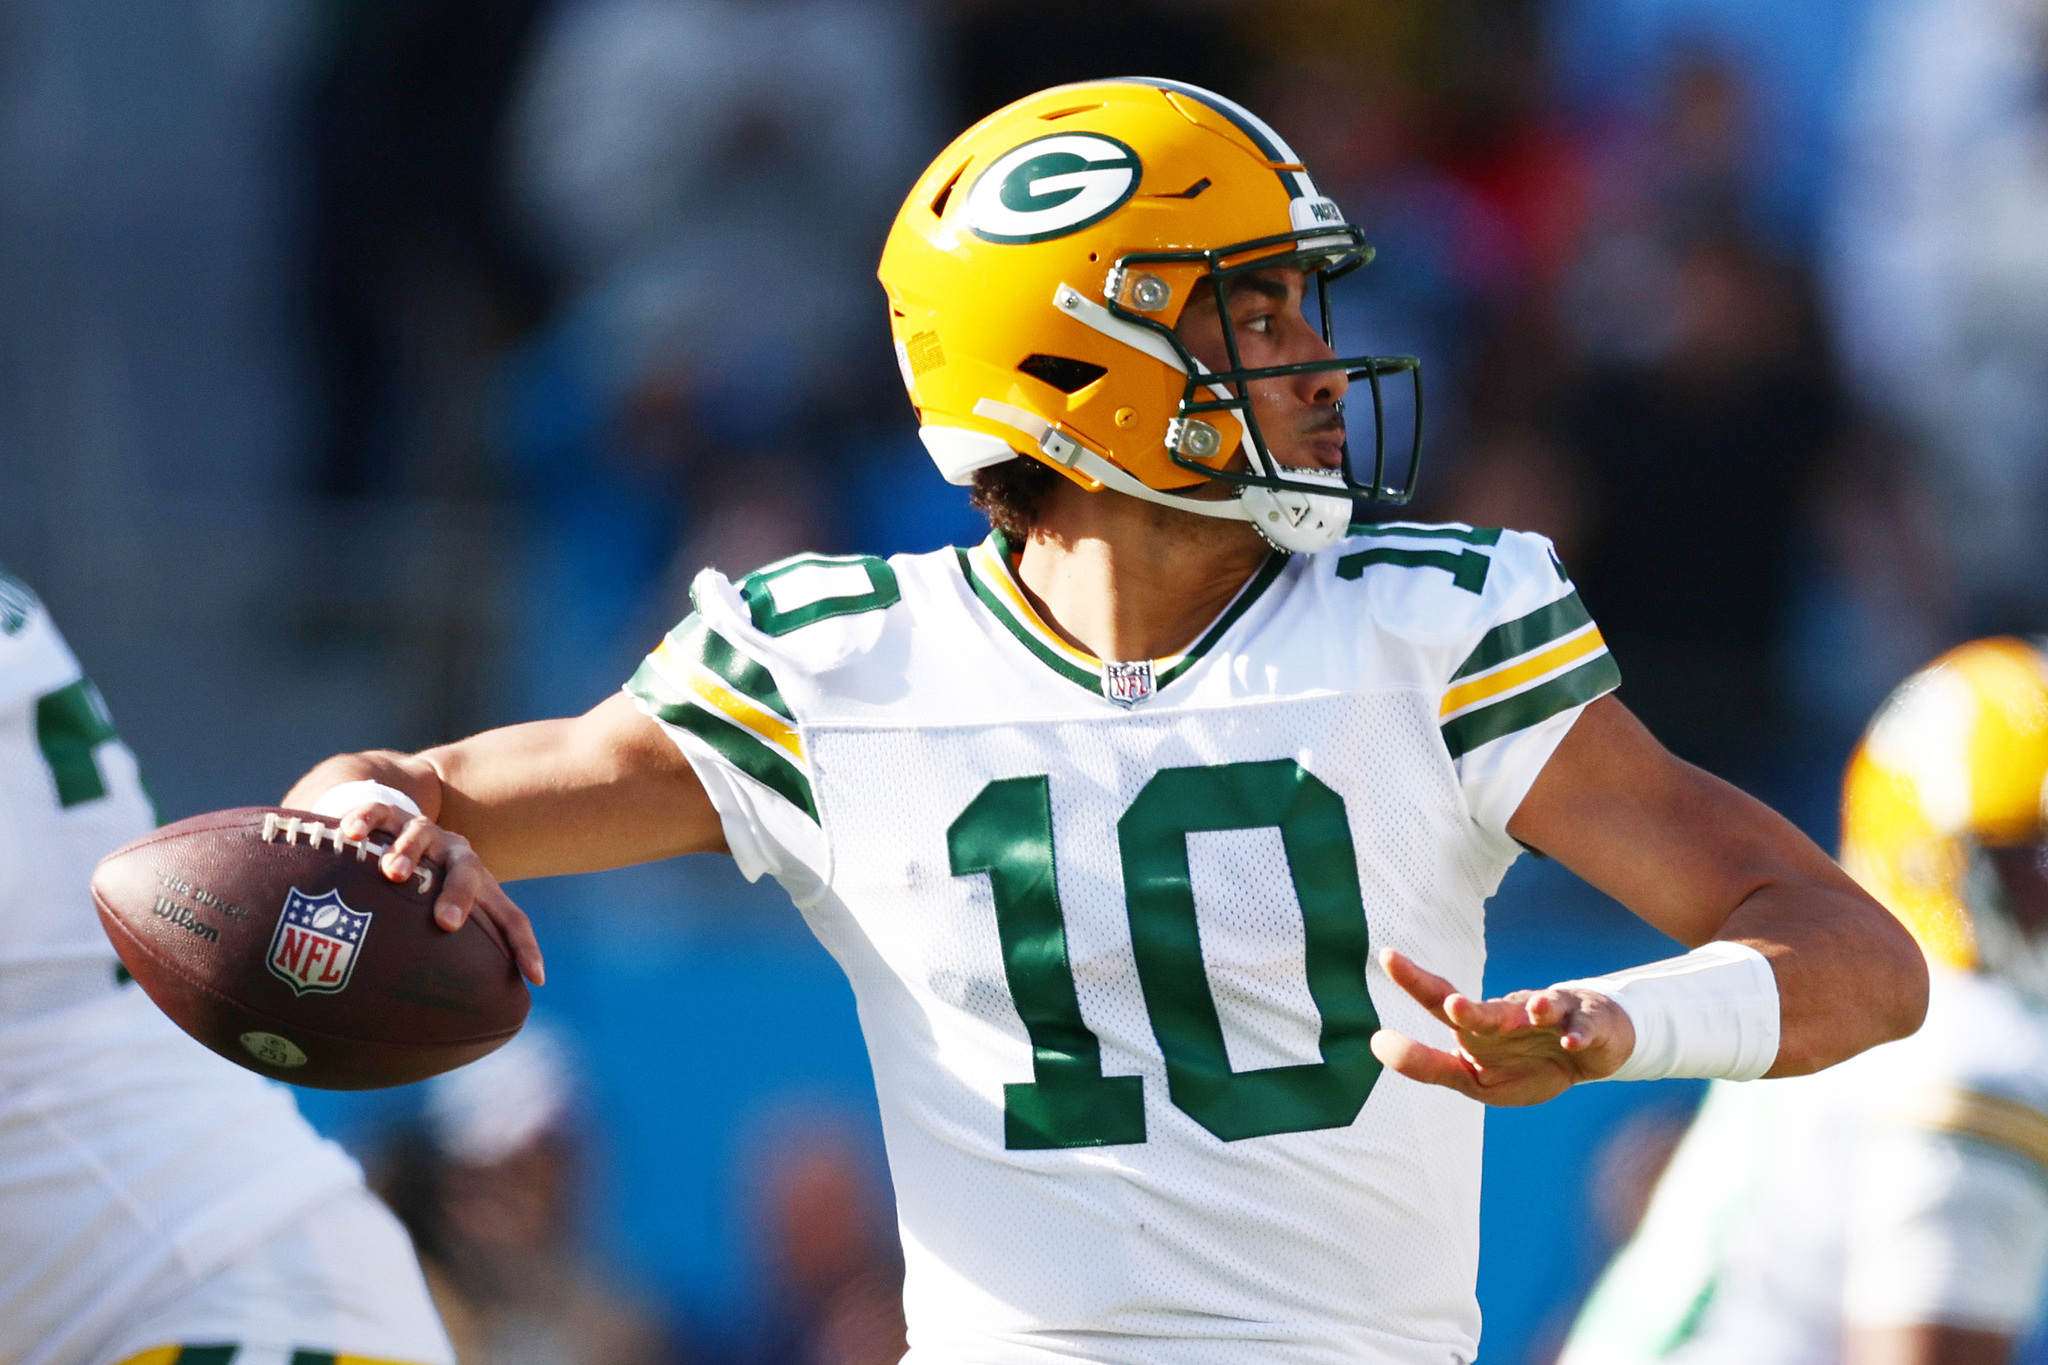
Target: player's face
(1300, 416)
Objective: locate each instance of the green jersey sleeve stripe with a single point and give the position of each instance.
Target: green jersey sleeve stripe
(1594, 678)
(746, 676)
(1517, 637)
(741, 748)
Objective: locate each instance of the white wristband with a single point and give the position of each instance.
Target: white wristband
(1711, 1013)
(338, 801)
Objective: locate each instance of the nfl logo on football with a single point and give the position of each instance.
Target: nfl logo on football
(314, 948)
(1127, 684)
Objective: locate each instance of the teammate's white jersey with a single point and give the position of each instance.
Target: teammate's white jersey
(69, 795)
(133, 1162)
(1907, 1185)
(1112, 927)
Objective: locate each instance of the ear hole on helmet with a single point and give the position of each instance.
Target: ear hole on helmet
(946, 191)
(1062, 372)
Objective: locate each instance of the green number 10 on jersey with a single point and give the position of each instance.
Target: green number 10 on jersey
(1006, 832)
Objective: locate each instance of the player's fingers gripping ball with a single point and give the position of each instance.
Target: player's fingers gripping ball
(363, 807)
(285, 947)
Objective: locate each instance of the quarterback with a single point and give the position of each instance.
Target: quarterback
(1893, 1211)
(157, 1204)
(1154, 832)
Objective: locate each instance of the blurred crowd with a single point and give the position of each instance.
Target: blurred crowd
(493, 1176)
(610, 262)
(612, 259)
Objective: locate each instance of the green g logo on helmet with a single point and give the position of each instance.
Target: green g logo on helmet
(1051, 186)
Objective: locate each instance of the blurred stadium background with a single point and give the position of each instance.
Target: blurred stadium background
(373, 371)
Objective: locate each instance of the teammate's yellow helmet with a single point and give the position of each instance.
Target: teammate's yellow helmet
(1954, 763)
(1037, 271)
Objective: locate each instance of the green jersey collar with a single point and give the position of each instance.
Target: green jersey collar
(988, 572)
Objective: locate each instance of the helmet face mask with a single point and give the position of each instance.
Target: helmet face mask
(1039, 269)
(1323, 255)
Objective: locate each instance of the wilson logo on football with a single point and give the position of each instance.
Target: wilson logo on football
(1052, 186)
(317, 939)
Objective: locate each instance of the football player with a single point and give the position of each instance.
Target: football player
(1154, 831)
(157, 1204)
(1892, 1211)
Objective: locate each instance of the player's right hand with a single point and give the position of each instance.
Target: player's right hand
(467, 886)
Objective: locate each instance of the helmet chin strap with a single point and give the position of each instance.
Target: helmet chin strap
(1289, 520)
(1296, 521)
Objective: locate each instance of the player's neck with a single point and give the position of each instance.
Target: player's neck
(1128, 580)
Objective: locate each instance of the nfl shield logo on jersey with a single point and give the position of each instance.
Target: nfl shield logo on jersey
(315, 946)
(1127, 684)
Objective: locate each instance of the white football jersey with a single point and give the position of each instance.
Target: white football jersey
(1907, 1185)
(1112, 926)
(69, 795)
(132, 1160)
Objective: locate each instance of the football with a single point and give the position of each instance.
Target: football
(280, 945)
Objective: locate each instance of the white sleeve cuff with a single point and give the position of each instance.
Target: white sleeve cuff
(1712, 1013)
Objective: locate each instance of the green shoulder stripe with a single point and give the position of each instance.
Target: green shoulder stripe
(1471, 535)
(747, 676)
(1510, 639)
(740, 747)
(1594, 678)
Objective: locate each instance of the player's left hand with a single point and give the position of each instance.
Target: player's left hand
(1523, 1048)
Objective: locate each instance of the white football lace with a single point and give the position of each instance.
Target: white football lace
(287, 828)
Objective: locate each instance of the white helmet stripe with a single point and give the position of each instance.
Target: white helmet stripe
(1257, 129)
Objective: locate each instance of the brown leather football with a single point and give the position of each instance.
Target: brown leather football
(279, 944)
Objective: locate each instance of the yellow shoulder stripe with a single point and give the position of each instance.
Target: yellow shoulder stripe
(2017, 1127)
(1569, 651)
(742, 711)
(680, 670)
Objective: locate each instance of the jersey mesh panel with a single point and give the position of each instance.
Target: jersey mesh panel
(1335, 1242)
(1251, 919)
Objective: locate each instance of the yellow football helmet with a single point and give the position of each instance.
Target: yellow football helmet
(1955, 763)
(1037, 271)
